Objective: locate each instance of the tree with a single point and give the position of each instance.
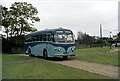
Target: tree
(86, 39)
(21, 17)
(118, 36)
(80, 36)
(17, 21)
(24, 15)
(5, 19)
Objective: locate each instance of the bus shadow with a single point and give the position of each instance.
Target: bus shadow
(60, 59)
(55, 58)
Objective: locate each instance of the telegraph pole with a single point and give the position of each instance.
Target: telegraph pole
(110, 40)
(101, 34)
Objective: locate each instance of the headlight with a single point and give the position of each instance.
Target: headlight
(57, 49)
(72, 49)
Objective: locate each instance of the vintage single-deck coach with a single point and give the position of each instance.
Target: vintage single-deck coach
(50, 43)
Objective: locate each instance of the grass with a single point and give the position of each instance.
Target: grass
(42, 69)
(0, 57)
(101, 55)
(13, 57)
(92, 50)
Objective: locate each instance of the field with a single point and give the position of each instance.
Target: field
(23, 67)
(100, 55)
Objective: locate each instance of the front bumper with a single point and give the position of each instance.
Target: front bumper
(70, 54)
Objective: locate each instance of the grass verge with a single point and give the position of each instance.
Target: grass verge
(101, 55)
(14, 57)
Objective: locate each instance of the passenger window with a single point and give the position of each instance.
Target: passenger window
(44, 37)
(30, 39)
(41, 37)
(49, 37)
(33, 38)
(37, 37)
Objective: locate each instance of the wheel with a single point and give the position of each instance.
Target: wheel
(65, 57)
(29, 53)
(45, 55)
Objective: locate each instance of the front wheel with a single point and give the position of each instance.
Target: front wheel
(29, 53)
(45, 55)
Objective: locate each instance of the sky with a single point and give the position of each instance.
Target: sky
(77, 15)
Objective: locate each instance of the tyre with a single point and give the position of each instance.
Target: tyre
(45, 55)
(29, 53)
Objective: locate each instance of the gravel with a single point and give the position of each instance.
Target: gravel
(101, 69)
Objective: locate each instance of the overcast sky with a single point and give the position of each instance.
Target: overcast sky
(77, 15)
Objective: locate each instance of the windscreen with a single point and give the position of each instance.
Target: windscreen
(64, 37)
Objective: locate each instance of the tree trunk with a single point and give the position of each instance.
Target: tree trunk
(21, 29)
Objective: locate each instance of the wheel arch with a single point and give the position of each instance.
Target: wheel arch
(29, 50)
(45, 50)
(45, 53)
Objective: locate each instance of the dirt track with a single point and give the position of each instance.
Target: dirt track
(106, 70)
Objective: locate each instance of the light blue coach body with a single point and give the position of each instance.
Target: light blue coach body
(51, 43)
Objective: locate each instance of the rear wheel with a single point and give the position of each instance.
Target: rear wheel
(29, 53)
(65, 57)
(45, 55)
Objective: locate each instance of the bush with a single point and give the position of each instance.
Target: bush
(12, 42)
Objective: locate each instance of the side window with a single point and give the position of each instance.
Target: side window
(33, 38)
(37, 37)
(30, 39)
(53, 38)
(41, 37)
(49, 37)
(44, 37)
